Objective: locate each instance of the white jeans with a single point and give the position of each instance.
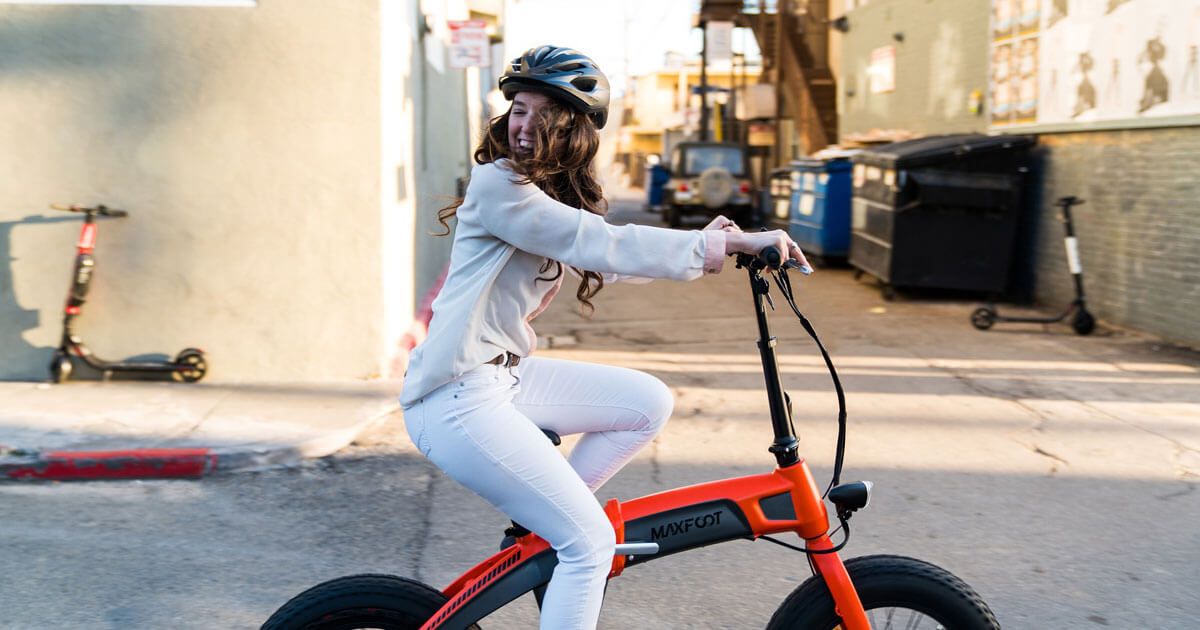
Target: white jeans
(484, 430)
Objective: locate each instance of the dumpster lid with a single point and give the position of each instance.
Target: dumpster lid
(920, 151)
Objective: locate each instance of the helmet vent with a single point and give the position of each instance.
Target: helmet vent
(587, 84)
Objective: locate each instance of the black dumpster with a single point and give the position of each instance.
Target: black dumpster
(939, 212)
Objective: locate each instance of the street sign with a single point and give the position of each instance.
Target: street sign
(469, 45)
(720, 43)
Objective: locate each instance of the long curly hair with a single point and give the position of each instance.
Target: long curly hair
(565, 145)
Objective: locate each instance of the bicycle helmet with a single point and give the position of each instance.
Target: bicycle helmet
(560, 72)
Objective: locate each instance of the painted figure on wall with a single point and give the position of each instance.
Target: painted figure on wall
(1157, 89)
(1085, 94)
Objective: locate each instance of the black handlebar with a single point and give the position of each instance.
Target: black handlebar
(101, 209)
(768, 258)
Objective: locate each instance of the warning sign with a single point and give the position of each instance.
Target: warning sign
(469, 46)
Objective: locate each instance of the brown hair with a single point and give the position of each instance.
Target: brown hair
(561, 166)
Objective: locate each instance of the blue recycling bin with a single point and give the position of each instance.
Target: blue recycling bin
(820, 206)
(656, 177)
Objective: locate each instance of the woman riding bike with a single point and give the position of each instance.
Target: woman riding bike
(475, 402)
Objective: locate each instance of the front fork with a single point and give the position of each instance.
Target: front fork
(846, 602)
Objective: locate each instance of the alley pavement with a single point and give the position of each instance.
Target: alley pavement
(1056, 474)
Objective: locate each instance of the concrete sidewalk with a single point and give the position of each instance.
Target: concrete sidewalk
(139, 429)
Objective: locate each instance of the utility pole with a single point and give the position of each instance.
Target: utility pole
(781, 9)
(704, 79)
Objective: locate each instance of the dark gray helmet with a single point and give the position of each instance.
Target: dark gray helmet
(560, 72)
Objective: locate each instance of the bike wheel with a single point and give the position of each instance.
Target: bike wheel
(385, 602)
(896, 592)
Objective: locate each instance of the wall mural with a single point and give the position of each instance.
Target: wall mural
(1088, 61)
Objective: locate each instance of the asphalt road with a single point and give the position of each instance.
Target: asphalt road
(1055, 474)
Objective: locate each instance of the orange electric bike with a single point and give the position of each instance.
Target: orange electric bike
(881, 591)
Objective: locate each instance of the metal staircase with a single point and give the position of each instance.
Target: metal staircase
(794, 39)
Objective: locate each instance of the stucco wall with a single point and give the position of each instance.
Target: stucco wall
(245, 143)
(942, 57)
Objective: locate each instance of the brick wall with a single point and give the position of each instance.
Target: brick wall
(1139, 233)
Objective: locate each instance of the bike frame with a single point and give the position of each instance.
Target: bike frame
(743, 508)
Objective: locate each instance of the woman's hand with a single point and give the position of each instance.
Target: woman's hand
(724, 224)
(754, 242)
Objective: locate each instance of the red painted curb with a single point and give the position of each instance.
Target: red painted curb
(145, 463)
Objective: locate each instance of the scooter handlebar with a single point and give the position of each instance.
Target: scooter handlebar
(100, 209)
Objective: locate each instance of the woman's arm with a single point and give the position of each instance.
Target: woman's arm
(525, 217)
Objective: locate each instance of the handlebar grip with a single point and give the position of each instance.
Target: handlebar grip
(115, 213)
(771, 257)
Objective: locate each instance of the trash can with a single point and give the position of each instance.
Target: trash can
(820, 208)
(938, 212)
(656, 177)
(777, 199)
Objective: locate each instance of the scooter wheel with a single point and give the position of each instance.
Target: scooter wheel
(983, 318)
(60, 367)
(1083, 322)
(193, 365)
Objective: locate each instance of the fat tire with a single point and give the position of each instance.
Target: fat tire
(885, 581)
(379, 601)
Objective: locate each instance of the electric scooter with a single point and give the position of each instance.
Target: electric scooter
(188, 366)
(1081, 320)
(858, 594)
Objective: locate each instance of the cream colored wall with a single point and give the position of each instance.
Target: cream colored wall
(266, 156)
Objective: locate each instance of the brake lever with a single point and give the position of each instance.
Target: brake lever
(791, 264)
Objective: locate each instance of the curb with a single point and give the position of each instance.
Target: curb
(170, 463)
(145, 463)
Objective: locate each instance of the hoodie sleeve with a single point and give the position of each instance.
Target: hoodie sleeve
(528, 219)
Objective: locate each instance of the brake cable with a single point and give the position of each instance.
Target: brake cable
(785, 287)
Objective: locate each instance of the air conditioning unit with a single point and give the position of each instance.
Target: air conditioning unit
(756, 101)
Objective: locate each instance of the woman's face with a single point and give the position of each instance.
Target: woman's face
(520, 121)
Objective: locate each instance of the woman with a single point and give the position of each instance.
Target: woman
(474, 400)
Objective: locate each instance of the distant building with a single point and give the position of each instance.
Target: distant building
(664, 108)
